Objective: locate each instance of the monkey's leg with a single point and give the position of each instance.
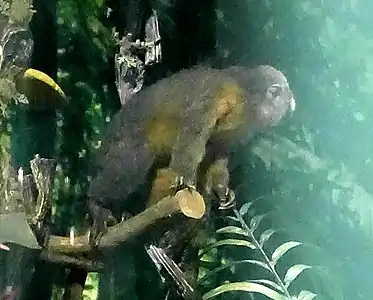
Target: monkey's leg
(164, 179)
(217, 182)
(186, 157)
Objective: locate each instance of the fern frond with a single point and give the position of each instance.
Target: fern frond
(245, 287)
(274, 287)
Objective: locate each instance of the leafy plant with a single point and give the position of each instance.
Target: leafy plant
(247, 235)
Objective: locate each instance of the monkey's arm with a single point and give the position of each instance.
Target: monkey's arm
(189, 150)
(187, 153)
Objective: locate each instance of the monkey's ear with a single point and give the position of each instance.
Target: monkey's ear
(274, 90)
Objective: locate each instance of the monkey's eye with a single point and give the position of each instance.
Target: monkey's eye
(274, 90)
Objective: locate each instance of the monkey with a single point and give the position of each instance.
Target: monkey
(195, 114)
(181, 126)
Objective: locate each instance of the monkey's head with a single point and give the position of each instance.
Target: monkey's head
(268, 93)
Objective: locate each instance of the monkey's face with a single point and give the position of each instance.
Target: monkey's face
(278, 101)
(272, 94)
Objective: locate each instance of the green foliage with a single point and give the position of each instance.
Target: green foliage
(85, 52)
(335, 182)
(90, 288)
(322, 204)
(273, 286)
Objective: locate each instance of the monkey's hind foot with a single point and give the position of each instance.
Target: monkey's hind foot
(125, 216)
(102, 218)
(95, 234)
(227, 199)
(181, 184)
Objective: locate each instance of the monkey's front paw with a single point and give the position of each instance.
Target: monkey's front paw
(227, 198)
(181, 184)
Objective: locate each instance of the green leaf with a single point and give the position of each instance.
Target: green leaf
(232, 264)
(232, 218)
(14, 228)
(209, 265)
(245, 208)
(306, 295)
(293, 272)
(268, 282)
(244, 287)
(265, 236)
(257, 263)
(227, 242)
(232, 230)
(281, 250)
(255, 222)
(99, 3)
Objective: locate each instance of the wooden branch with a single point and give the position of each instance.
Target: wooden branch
(129, 68)
(29, 192)
(70, 251)
(30, 199)
(43, 171)
(153, 53)
(191, 204)
(76, 262)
